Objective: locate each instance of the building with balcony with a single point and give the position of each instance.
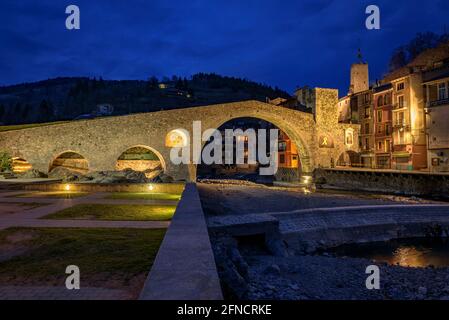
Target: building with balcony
(383, 125)
(436, 89)
(409, 138)
(364, 102)
(409, 105)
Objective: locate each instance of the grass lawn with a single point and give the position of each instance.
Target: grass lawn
(128, 212)
(52, 194)
(143, 196)
(106, 257)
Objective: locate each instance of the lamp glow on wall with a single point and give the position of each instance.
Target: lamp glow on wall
(176, 138)
(150, 187)
(67, 187)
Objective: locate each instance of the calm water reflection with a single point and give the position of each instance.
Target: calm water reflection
(416, 252)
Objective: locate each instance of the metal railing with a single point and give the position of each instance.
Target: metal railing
(435, 103)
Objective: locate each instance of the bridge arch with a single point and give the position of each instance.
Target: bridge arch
(71, 160)
(20, 165)
(283, 124)
(140, 157)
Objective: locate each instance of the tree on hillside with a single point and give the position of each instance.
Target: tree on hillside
(25, 112)
(153, 82)
(420, 43)
(398, 59)
(2, 111)
(46, 111)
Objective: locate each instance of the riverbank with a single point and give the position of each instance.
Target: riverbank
(249, 269)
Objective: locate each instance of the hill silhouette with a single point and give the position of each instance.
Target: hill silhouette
(66, 98)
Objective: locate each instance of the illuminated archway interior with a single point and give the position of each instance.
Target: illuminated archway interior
(289, 164)
(141, 159)
(72, 161)
(20, 165)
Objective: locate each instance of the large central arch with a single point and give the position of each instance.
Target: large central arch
(295, 136)
(289, 166)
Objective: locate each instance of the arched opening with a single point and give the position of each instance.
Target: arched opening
(143, 159)
(20, 165)
(72, 161)
(288, 154)
(349, 159)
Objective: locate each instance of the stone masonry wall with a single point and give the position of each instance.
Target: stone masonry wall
(419, 184)
(102, 141)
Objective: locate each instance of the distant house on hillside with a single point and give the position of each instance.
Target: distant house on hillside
(103, 109)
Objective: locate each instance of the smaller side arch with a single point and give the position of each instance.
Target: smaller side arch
(70, 160)
(140, 158)
(20, 165)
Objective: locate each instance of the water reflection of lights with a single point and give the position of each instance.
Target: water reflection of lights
(409, 257)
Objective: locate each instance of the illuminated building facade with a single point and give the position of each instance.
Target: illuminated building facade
(383, 125)
(436, 88)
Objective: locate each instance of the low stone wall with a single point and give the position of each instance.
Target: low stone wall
(185, 268)
(122, 187)
(408, 183)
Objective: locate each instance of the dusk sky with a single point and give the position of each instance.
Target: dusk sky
(281, 43)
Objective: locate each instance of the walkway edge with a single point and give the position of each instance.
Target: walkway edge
(184, 268)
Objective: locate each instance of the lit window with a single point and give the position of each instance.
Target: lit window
(379, 116)
(401, 102)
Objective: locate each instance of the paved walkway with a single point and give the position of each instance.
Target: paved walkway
(60, 293)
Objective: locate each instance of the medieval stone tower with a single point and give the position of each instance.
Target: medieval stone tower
(359, 76)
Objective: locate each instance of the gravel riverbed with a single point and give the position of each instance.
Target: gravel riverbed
(253, 273)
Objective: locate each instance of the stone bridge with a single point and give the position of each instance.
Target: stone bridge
(319, 137)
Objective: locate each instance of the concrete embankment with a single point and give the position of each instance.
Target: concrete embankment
(303, 231)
